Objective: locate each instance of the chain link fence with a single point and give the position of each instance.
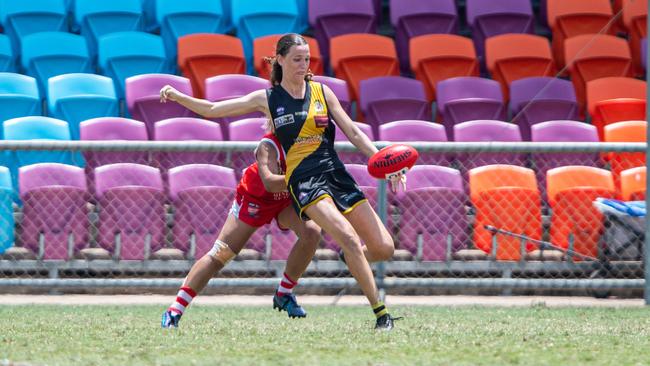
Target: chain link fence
(500, 217)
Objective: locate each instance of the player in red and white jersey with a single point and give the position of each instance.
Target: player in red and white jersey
(261, 197)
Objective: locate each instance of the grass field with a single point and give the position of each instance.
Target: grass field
(107, 335)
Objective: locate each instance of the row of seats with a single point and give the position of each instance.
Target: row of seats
(131, 209)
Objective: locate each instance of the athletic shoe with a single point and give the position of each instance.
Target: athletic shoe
(386, 322)
(170, 319)
(288, 302)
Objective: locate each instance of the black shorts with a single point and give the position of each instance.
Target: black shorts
(337, 185)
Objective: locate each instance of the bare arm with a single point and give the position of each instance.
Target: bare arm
(253, 102)
(354, 134)
(267, 165)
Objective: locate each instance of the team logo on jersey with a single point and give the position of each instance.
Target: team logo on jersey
(318, 107)
(253, 209)
(280, 110)
(287, 119)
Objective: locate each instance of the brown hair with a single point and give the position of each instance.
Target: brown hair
(281, 49)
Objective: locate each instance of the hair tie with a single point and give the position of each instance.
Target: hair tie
(269, 59)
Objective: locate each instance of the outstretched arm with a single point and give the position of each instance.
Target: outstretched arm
(269, 170)
(253, 102)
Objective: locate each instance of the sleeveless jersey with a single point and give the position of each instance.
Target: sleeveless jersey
(305, 130)
(251, 183)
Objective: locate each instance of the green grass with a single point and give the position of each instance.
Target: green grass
(103, 335)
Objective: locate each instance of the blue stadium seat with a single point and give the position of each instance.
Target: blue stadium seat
(253, 19)
(48, 54)
(149, 13)
(20, 18)
(179, 18)
(36, 128)
(19, 96)
(78, 97)
(97, 18)
(125, 54)
(7, 197)
(7, 59)
(303, 16)
(226, 5)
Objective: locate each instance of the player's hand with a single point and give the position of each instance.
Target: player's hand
(168, 92)
(396, 180)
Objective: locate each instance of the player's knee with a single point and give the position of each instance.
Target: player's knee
(349, 240)
(386, 250)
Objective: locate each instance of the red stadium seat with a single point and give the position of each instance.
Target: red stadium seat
(635, 18)
(615, 99)
(633, 184)
(628, 131)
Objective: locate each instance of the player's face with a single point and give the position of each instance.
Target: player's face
(295, 63)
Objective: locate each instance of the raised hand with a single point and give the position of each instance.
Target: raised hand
(168, 92)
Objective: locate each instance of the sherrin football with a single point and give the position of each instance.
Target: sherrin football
(396, 158)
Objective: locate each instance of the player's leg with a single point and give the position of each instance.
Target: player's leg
(379, 244)
(309, 235)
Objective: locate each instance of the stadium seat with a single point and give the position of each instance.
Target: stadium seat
(179, 18)
(48, 54)
(303, 15)
(391, 98)
(355, 157)
(265, 47)
(201, 195)
(201, 56)
(568, 19)
(7, 58)
(412, 18)
(224, 87)
(487, 131)
(411, 131)
(507, 198)
(78, 97)
(435, 233)
(98, 18)
(331, 18)
(22, 18)
(615, 99)
(253, 19)
(575, 221)
(635, 18)
(539, 99)
(187, 129)
(19, 96)
(628, 131)
(591, 57)
(7, 197)
(436, 57)
(511, 57)
(492, 18)
(356, 57)
(143, 98)
(55, 214)
(633, 183)
(468, 98)
(125, 54)
(644, 54)
(131, 210)
(567, 132)
(340, 89)
(248, 129)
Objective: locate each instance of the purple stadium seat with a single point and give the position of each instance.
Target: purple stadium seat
(539, 99)
(248, 129)
(186, 129)
(391, 98)
(113, 128)
(131, 210)
(427, 233)
(494, 17)
(407, 131)
(468, 98)
(224, 87)
(331, 18)
(412, 18)
(487, 131)
(340, 89)
(353, 157)
(562, 131)
(143, 98)
(55, 217)
(202, 195)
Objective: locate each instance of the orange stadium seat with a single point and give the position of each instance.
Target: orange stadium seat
(635, 18)
(436, 57)
(571, 192)
(511, 57)
(506, 197)
(591, 57)
(628, 131)
(615, 99)
(203, 55)
(265, 47)
(356, 57)
(633, 184)
(576, 17)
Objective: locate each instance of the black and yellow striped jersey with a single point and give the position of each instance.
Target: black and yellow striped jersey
(305, 130)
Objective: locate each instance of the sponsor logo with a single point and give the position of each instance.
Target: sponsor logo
(318, 107)
(287, 119)
(391, 159)
(309, 140)
(321, 121)
(253, 209)
(301, 114)
(280, 196)
(280, 110)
